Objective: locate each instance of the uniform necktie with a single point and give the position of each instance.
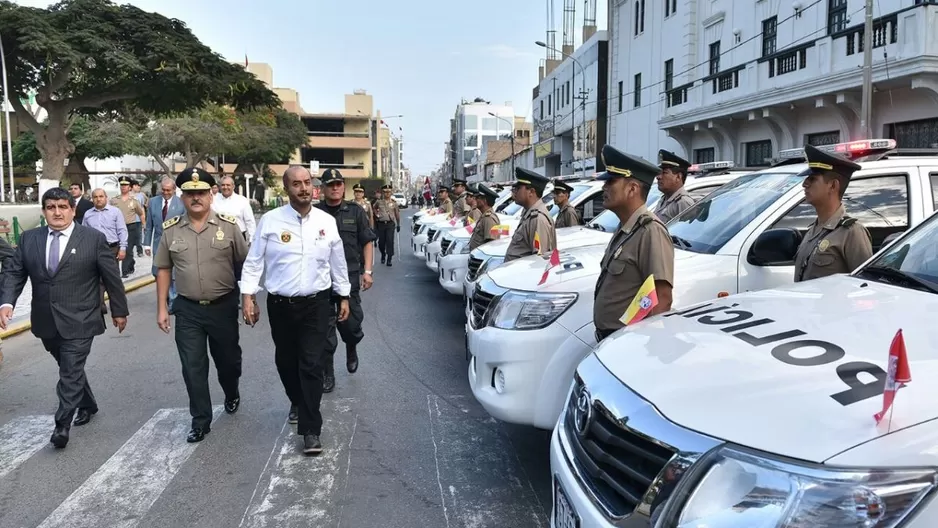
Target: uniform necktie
(165, 206)
(54, 251)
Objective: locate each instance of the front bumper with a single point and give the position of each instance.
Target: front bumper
(418, 244)
(432, 252)
(453, 270)
(537, 365)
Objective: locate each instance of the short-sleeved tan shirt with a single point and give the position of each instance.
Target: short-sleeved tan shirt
(474, 215)
(207, 262)
(673, 205)
(535, 221)
(482, 230)
(567, 217)
(446, 206)
(386, 210)
(641, 247)
(840, 245)
(366, 206)
(130, 208)
(460, 207)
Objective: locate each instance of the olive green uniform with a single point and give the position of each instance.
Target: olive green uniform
(482, 231)
(567, 217)
(671, 206)
(535, 222)
(840, 245)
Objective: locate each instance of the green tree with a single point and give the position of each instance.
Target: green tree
(93, 56)
(196, 135)
(267, 137)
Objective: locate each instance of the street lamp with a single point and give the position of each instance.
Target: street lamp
(583, 94)
(511, 137)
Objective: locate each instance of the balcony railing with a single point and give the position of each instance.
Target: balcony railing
(678, 96)
(338, 134)
(788, 62)
(885, 31)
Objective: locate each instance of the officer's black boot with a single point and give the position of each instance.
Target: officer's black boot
(351, 358)
(328, 378)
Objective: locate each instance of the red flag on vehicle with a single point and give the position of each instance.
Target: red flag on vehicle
(897, 376)
(427, 193)
(552, 263)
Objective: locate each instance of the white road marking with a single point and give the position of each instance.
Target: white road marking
(431, 403)
(301, 491)
(21, 438)
(477, 465)
(124, 488)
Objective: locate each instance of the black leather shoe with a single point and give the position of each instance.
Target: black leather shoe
(197, 435)
(389, 262)
(294, 416)
(382, 259)
(59, 437)
(351, 358)
(311, 445)
(231, 406)
(328, 382)
(83, 416)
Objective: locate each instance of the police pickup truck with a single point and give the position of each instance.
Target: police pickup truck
(526, 338)
(757, 410)
(433, 218)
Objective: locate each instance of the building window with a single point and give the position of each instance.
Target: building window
(715, 58)
(620, 96)
(568, 92)
(670, 7)
(638, 90)
(639, 17)
(759, 153)
(769, 32)
(542, 109)
(914, 134)
(636, 17)
(668, 75)
(549, 107)
(704, 155)
(470, 122)
(823, 138)
(642, 17)
(836, 16)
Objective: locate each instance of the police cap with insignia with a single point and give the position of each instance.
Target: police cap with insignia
(489, 195)
(531, 178)
(459, 182)
(562, 187)
(193, 179)
(621, 165)
(358, 187)
(472, 189)
(670, 160)
(125, 180)
(442, 188)
(331, 175)
(387, 187)
(820, 162)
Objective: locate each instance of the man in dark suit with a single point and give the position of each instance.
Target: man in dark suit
(66, 263)
(79, 202)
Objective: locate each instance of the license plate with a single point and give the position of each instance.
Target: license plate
(564, 515)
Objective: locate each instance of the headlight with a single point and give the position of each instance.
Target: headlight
(464, 249)
(529, 311)
(736, 488)
(490, 264)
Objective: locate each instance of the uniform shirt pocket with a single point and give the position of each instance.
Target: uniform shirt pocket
(822, 260)
(224, 243)
(178, 246)
(617, 266)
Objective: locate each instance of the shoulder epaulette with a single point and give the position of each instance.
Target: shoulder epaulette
(172, 221)
(228, 218)
(846, 221)
(644, 220)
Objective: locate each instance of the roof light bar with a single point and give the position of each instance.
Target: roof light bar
(851, 149)
(713, 165)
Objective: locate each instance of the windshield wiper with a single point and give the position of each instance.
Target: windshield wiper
(598, 227)
(899, 276)
(680, 242)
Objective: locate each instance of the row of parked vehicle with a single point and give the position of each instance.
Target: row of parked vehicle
(751, 403)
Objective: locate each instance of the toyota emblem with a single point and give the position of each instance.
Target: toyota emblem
(583, 411)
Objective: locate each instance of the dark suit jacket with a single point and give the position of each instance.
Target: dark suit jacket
(68, 303)
(81, 207)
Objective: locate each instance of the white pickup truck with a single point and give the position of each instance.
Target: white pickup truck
(757, 410)
(526, 338)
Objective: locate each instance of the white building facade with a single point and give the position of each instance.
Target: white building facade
(718, 80)
(569, 108)
(475, 126)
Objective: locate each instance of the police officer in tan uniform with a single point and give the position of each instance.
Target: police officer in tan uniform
(206, 250)
(365, 204)
(567, 216)
(671, 178)
(460, 207)
(640, 247)
(387, 220)
(835, 242)
(535, 234)
(472, 198)
(446, 205)
(482, 230)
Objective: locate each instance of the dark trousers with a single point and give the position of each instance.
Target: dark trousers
(133, 240)
(115, 249)
(73, 389)
(214, 325)
(351, 328)
(386, 238)
(299, 326)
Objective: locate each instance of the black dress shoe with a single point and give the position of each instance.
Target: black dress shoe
(351, 358)
(83, 416)
(59, 437)
(382, 259)
(311, 445)
(328, 382)
(294, 416)
(231, 406)
(197, 435)
(389, 262)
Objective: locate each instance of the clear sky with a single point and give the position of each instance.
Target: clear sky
(418, 58)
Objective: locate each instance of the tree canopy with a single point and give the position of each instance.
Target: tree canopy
(94, 57)
(267, 137)
(197, 135)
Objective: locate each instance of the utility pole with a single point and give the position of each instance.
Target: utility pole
(866, 105)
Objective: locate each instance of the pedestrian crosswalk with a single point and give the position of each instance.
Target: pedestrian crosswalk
(290, 491)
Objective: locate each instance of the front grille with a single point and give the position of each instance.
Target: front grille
(481, 301)
(415, 227)
(474, 265)
(618, 464)
(444, 245)
(430, 233)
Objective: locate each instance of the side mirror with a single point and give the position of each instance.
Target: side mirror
(890, 238)
(775, 247)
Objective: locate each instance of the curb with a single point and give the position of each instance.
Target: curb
(23, 326)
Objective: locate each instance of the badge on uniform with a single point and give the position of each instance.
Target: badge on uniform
(824, 245)
(285, 237)
(617, 253)
(219, 235)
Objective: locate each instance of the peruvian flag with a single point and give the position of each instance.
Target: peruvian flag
(897, 375)
(551, 264)
(427, 193)
(245, 60)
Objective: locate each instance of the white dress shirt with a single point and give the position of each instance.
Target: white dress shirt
(63, 241)
(239, 207)
(302, 256)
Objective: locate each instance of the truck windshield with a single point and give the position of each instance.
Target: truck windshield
(513, 209)
(710, 223)
(912, 262)
(577, 191)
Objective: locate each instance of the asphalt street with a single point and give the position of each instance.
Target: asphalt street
(405, 443)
